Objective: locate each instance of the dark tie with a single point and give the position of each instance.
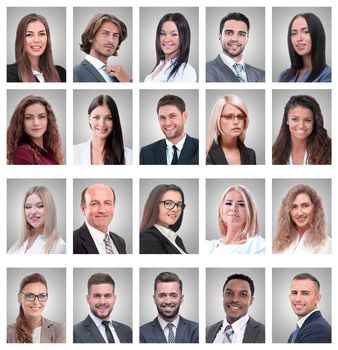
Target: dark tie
(171, 335)
(174, 161)
(294, 335)
(109, 334)
(239, 72)
(228, 332)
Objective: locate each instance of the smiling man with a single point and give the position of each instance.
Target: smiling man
(237, 326)
(177, 148)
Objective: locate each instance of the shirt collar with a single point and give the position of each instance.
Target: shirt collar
(237, 325)
(229, 61)
(179, 144)
(97, 321)
(95, 62)
(39, 76)
(97, 233)
(167, 232)
(163, 323)
(301, 321)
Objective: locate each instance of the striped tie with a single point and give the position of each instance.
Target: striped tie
(171, 335)
(107, 243)
(228, 333)
(239, 72)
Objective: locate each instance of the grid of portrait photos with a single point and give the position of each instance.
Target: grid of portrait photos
(168, 172)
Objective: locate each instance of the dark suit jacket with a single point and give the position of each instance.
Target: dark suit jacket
(315, 329)
(153, 242)
(216, 155)
(254, 332)
(13, 74)
(155, 153)
(217, 71)
(87, 332)
(85, 72)
(187, 332)
(83, 242)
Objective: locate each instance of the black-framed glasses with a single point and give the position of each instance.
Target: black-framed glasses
(31, 296)
(171, 205)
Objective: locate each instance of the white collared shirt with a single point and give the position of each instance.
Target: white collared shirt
(100, 67)
(305, 160)
(39, 76)
(102, 329)
(238, 327)
(170, 150)
(98, 238)
(36, 335)
(170, 235)
(298, 246)
(228, 61)
(301, 321)
(164, 324)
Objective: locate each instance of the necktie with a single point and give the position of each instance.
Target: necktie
(171, 335)
(109, 334)
(107, 243)
(228, 333)
(239, 72)
(174, 161)
(294, 335)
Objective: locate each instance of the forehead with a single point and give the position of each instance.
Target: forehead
(109, 26)
(301, 198)
(35, 26)
(303, 285)
(235, 25)
(234, 195)
(35, 108)
(301, 112)
(35, 287)
(228, 108)
(101, 110)
(299, 22)
(33, 198)
(167, 287)
(168, 109)
(103, 288)
(169, 26)
(238, 284)
(99, 193)
(172, 195)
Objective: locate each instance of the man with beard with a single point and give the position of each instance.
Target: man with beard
(237, 326)
(168, 326)
(98, 327)
(177, 148)
(229, 65)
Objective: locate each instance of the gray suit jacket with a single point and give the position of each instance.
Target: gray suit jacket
(254, 332)
(87, 332)
(217, 71)
(85, 72)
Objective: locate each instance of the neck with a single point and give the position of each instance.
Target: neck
(35, 321)
(102, 58)
(38, 142)
(301, 230)
(35, 61)
(176, 139)
(98, 144)
(233, 236)
(167, 58)
(298, 146)
(229, 142)
(307, 62)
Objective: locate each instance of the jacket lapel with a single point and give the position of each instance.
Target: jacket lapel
(87, 240)
(92, 332)
(93, 71)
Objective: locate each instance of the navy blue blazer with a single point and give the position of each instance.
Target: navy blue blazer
(156, 153)
(187, 332)
(85, 72)
(13, 74)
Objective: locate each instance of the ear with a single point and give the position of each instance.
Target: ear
(251, 301)
(185, 116)
(82, 209)
(182, 299)
(220, 37)
(19, 299)
(318, 297)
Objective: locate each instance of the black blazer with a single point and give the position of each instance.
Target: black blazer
(83, 242)
(153, 242)
(13, 74)
(216, 155)
(155, 153)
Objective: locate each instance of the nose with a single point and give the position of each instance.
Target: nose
(300, 211)
(235, 120)
(36, 121)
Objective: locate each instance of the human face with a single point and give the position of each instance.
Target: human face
(35, 122)
(304, 297)
(232, 121)
(35, 212)
(234, 211)
(302, 212)
(99, 207)
(300, 37)
(169, 40)
(237, 299)
(32, 309)
(101, 122)
(101, 300)
(35, 39)
(168, 298)
(172, 122)
(234, 38)
(168, 217)
(105, 42)
(300, 122)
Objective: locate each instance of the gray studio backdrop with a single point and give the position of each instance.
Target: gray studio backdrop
(254, 52)
(123, 218)
(83, 15)
(280, 187)
(56, 19)
(189, 278)
(283, 318)
(123, 307)
(16, 189)
(255, 102)
(214, 191)
(149, 19)
(215, 278)
(81, 102)
(189, 228)
(281, 18)
(56, 99)
(55, 309)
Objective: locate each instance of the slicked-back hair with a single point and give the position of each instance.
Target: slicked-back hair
(172, 100)
(235, 16)
(307, 276)
(239, 276)
(168, 277)
(100, 278)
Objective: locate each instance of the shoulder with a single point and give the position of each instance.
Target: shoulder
(58, 326)
(192, 140)
(256, 245)
(282, 75)
(11, 333)
(214, 327)
(325, 75)
(12, 73)
(23, 154)
(128, 155)
(187, 73)
(214, 63)
(60, 247)
(148, 326)
(81, 153)
(210, 245)
(191, 324)
(122, 326)
(153, 146)
(62, 73)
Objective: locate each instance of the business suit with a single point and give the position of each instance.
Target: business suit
(217, 156)
(152, 241)
(156, 153)
(315, 329)
(187, 332)
(254, 332)
(218, 71)
(13, 74)
(87, 332)
(51, 332)
(83, 242)
(85, 72)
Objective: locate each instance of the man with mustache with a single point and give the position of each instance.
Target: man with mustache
(229, 65)
(100, 40)
(168, 326)
(98, 327)
(237, 326)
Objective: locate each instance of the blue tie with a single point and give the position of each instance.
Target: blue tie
(294, 335)
(239, 72)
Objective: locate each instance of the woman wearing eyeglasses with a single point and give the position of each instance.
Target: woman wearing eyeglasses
(30, 326)
(229, 123)
(162, 217)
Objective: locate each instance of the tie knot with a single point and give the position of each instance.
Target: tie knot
(238, 67)
(228, 332)
(106, 323)
(170, 326)
(106, 239)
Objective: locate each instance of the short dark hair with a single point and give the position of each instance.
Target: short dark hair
(239, 276)
(307, 276)
(236, 16)
(83, 196)
(100, 278)
(168, 277)
(171, 100)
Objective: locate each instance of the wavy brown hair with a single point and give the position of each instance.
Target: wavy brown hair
(16, 135)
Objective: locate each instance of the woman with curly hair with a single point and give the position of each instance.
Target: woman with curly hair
(302, 138)
(33, 135)
(301, 223)
(30, 326)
